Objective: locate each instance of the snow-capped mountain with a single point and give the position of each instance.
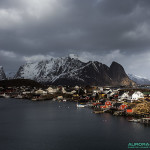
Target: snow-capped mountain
(71, 71)
(139, 80)
(2, 74)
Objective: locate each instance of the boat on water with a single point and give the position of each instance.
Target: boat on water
(81, 105)
(34, 99)
(146, 120)
(135, 120)
(5, 96)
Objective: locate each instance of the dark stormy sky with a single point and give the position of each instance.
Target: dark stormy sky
(103, 30)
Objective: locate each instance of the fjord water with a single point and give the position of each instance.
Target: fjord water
(48, 125)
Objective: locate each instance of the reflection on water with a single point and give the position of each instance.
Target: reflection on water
(47, 125)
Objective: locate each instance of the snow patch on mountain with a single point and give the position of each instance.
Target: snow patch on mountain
(139, 80)
(49, 70)
(71, 70)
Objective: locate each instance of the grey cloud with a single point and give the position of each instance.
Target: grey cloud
(58, 27)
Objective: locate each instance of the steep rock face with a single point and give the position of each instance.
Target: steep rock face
(139, 80)
(92, 73)
(72, 71)
(117, 71)
(119, 75)
(2, 74)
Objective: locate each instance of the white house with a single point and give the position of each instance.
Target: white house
(96, 91)
(51, 90)
(100, 88)
(71, 92)
(63, 90)
(76, 87)
(41, 92)
(137, 95)
(107, 90)
(125, 96)
(26, 92)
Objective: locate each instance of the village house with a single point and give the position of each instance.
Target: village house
(76, 87)
(100, 88)
(124, 96)
(123, 107)
(63, 90)
(96, 90)
(107, 90)
(70, 91)
(51, 90)
(110, 94)
(137, 95)
(129, 110)
(108, 104)
(40, 91)
(102, 95)
(26, 92)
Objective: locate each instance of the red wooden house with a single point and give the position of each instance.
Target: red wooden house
(129, 110)
(123, 107)
(103, 106)
(108, 104)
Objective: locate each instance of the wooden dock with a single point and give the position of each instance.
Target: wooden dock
(145, 120)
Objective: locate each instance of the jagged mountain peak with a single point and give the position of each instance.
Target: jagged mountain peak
(117, 71)
(72, 71)
(2, 74)
(116, 65)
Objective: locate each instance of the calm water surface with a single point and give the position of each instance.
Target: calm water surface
(47, 125)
